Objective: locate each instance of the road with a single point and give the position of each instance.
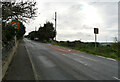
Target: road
(52, 62)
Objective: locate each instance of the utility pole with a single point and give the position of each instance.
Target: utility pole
(55, 23)
(35, 29)
(35, 33)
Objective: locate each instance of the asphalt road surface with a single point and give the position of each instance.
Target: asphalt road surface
(58, 63)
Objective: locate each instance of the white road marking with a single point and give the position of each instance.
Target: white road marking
(46, 62)
(80, 61)
(33, 67)
(62, 50)
(69, 50)
(115, 78)
(107, 58)
(111, 59)
(76, 60)
(85, 57)
(101, 56)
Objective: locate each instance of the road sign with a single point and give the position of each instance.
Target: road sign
(96, 31)
(16, 25)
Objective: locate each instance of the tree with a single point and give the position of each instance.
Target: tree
(47, 32)
(21, 31)
(31, 35)
(21, 11)
(9, 32)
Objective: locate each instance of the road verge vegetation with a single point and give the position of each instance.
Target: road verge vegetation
(110, 51)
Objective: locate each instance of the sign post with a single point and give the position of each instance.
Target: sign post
(95, 40)
(96, 32)
(16, 26)
(15, 38)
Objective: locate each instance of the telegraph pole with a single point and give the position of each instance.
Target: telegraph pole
(55, 23)
(35, 34)
(35, 29)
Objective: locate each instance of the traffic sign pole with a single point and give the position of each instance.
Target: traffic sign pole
(16, 26)
(96, 32)
(15, 38)
(95, 40)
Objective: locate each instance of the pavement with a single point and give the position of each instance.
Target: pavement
(20, 67)
(41, 61)
(52, 62)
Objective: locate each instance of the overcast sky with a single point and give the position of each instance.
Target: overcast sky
(76, 19)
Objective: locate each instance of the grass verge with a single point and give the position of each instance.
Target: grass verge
(106, 51)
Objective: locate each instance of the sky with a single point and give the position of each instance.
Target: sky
(76, 19)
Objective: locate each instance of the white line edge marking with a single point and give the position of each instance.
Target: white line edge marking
(115, 78)
(101, 56)
(76, 60)
(111, 59)
(33, 67)
(107, 58)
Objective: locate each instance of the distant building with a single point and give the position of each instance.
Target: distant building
(106, 43)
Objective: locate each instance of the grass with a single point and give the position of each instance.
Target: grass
(106, 51)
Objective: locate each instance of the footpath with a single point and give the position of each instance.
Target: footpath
(20, 67)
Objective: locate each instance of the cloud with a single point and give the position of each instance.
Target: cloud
(76, 19)
(74, 36)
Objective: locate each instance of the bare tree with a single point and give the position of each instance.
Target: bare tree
(21, 11)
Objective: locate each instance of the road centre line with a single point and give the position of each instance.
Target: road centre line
(115, 78)
(76, 60)
(79, 55)
(85, 57)
(46, 62)
(80, 61)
